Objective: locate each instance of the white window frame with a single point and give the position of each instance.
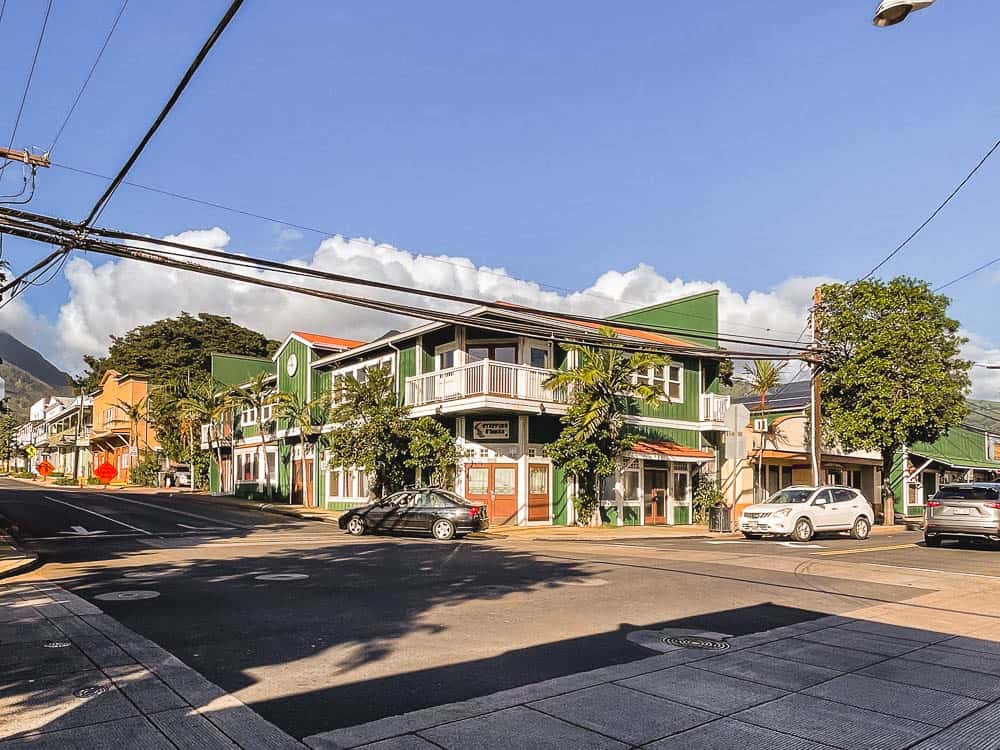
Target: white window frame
(679, 382)
(451, 346)
(355, 370)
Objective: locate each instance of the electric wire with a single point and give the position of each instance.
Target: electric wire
(967, 274)
(199, 58)
(436, 259)
(90, 75)
(27, 84)
(936, 211)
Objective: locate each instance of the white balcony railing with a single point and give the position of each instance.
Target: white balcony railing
(713, 407)
(483, 378)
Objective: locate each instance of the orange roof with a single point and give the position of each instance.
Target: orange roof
(330, 342)
(670, 449)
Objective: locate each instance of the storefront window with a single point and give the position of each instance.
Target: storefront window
(631, 487)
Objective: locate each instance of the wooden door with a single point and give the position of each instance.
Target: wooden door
(655, 482)
(538, 492)
(297, 482)
(496, 486)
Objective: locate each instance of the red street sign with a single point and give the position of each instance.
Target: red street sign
(45, 468)
(105, 472)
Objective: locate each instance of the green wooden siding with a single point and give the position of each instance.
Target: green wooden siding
(299, 382)
(688, 318)
(406, 367)
(560, 497)
(687, 409)
(631, 515)
(231, 369)
(688, 438)
(609, 515)
(682, 515)
(342, 505)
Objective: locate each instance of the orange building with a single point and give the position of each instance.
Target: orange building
(117, 438)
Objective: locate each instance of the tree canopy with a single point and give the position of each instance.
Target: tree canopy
(173, 348)
(892, 370)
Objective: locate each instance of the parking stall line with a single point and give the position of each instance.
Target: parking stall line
(99, 515)
(867, 549)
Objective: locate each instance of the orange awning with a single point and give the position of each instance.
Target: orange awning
(667, 450)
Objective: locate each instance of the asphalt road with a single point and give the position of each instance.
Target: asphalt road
(316, 630)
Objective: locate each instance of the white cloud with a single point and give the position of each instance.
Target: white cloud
(985, 383)
(111, 297)
(17, 319)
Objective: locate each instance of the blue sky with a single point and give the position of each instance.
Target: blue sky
(744, 142)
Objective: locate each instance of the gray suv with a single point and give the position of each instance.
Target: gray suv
(963, 511)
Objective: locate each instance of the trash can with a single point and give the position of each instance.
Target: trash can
(718, 519)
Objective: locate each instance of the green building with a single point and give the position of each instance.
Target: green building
(487, 388)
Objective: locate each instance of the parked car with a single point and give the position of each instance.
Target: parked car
(964, 512)
(799, 512)
(441, 513)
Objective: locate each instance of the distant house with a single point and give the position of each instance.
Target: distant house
(778, 455)
(114, 438)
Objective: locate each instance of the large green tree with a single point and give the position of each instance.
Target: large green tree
(603, 385)
(892, 373)
(171, 348)
(373, 431)
(176, 355)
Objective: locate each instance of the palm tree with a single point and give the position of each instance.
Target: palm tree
(307, 416)
(204, 404)
(763, 375)
(603, 386)
(256, 395)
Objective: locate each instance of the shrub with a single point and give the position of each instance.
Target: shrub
(706, 496)
(65, 482)
(94, 480)
(145, 470)
(57, 474)
(24, 475)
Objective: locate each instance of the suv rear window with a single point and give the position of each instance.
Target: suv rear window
(967, 493)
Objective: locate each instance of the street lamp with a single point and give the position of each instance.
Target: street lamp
(891, 12)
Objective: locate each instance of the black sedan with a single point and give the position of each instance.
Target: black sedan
(441, 513)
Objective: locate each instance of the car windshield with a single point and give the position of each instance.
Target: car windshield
(789, 496)
(967, 493)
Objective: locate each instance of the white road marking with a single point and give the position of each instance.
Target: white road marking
(800, 545)
(99, 515)
(229, 524)
(127, 596)
(731, 541)
(281, 577)
(583, 582)
(81, 531)
(205, 528)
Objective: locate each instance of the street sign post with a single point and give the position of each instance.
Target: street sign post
(105, 472)
(45, 468)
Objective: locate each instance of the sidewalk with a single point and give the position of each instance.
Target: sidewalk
(13, 559)
(834, 682)
(73, 677)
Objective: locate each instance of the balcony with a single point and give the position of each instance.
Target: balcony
(486, 381)
(714, 408)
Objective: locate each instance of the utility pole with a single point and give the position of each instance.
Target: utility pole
(816, 433)
(76, 438)
(26, 157)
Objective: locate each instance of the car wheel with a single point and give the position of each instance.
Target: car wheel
(861, 528)
(443, 530)
(356, 526)
(803, 530)
(748, 535)
(932, 540)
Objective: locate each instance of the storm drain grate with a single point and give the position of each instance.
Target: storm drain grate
(90, 691)
(696, 641)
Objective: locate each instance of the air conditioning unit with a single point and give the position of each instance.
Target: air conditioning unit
(760, 425)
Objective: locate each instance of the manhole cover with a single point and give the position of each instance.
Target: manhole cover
(127, 596)
(695, 641)
(56, 644)
(90, 691)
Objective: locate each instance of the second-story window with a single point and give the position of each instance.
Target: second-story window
(669, 380)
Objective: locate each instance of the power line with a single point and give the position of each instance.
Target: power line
(967, 274)
(199, 58)
(270, 265)
(90, 75)
(558, 329)
(330, 233)
(936, 211)
(27, 83)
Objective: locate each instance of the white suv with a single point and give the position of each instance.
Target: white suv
(800, 512)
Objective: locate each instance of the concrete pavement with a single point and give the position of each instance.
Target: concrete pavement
(72, 677)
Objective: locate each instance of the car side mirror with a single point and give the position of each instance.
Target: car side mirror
(820, 501)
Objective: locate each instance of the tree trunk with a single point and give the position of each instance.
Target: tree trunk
(302, 474)
(267, 466)
(888, 499)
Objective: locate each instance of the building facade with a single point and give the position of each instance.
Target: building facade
(114, 437)
(487, 388)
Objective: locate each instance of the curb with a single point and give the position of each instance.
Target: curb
(13, 567)
(280, 510)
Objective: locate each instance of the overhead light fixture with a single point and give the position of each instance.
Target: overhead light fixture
(891, 12)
